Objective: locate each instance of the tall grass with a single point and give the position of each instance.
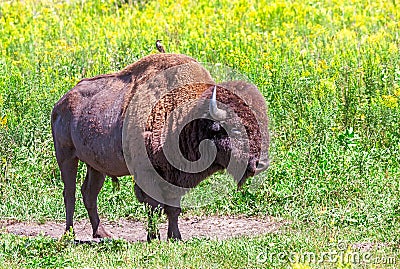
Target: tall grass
(329, 71)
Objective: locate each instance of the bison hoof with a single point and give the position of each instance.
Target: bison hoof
(152, 236)
(101, 233)
(175, 238)
(174, 235)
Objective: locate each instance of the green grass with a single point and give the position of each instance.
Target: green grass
(294, 245)
(329, 71)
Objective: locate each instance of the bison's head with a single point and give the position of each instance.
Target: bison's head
(239, 128)
(233, 122)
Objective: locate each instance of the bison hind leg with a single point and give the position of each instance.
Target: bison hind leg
(90, 190)
(68, 167)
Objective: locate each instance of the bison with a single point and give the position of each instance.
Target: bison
(164, 120)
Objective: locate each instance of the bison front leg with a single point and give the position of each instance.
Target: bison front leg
(90, 190)
(154, 214)
(173, 229)
(154, 209)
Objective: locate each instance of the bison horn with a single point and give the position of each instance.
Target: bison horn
(215, 112)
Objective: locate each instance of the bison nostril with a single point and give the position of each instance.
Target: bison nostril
(261, 166)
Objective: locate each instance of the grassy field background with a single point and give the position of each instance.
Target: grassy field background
(329, 71)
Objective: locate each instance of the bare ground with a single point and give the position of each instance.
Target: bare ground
(214, 227)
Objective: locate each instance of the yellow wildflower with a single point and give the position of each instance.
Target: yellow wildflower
(393, 48)
(300, 266)
(328, 85)
(389, 101)
(397, 90)
(3, 121)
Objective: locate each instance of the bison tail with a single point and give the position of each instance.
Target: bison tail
(115, 183)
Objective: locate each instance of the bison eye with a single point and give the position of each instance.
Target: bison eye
(215, 127)
(235, 131)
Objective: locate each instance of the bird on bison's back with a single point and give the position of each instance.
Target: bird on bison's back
(159, 46)
(87, 125)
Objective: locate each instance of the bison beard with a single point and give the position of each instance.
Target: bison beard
(87, 125)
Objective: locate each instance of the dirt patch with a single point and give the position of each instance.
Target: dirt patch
(214, 227)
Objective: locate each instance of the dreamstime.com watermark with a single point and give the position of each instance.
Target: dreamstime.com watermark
(340, 253)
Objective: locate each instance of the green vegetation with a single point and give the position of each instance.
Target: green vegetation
(329, 71)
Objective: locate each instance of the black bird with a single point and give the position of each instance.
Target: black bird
(159, 46)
